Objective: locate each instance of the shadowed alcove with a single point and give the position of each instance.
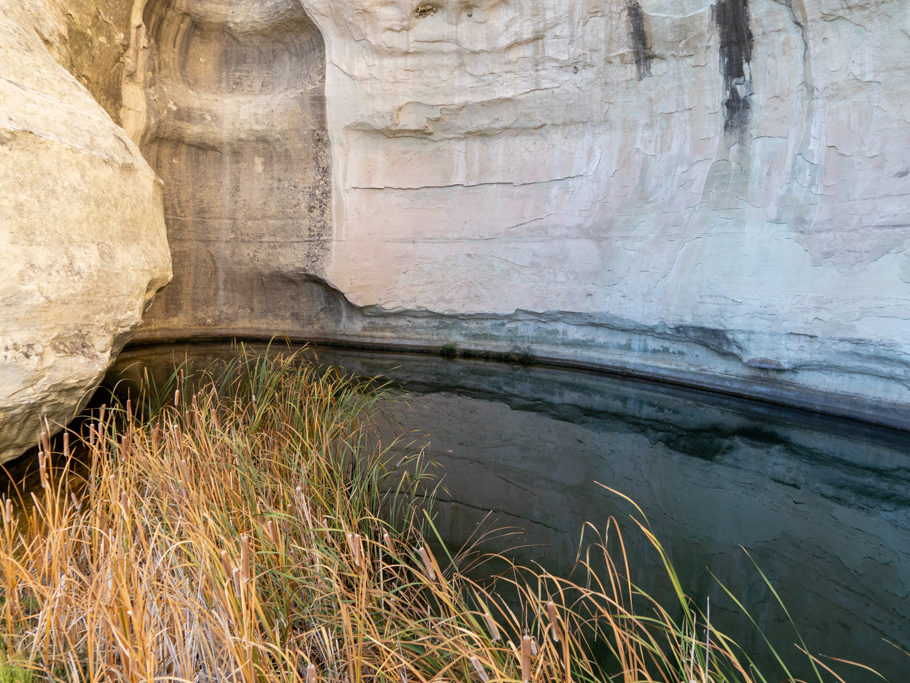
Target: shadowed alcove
(235, 126)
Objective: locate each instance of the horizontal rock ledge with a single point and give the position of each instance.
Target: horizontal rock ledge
(780, 387)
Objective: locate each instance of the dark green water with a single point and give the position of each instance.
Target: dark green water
(822, 505)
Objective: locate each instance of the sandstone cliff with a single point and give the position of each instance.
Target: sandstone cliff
(712, 191)
(226, 101)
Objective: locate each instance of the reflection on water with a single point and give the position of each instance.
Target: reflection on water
(822, 505)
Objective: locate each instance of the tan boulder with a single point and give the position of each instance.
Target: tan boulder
(82, 236)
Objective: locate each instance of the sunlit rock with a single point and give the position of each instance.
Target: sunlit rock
(712, 188)
(709, 191)
(82, 233)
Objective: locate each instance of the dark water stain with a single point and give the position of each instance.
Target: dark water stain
(234, 197)
(732, 20)
(638, 32)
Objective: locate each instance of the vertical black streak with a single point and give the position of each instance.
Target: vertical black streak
(638, 32)
(732, 20)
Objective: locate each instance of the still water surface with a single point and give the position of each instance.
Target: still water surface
(822, 505)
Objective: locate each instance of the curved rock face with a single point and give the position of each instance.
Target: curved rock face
(709, 191)
(88, 38)
(81, 234)
(227, 103)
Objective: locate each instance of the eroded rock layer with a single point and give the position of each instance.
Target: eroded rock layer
(227, 103)
(82, 233)
(710, 191)
(88, 38)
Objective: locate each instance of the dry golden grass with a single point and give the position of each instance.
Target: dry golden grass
(240, 533)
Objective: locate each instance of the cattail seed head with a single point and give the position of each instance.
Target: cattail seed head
(42, 469)
(491, 625)
(354, 543)
(426, 555)
(525, 659)
(245, 558)
(478, 667)
(554, 624)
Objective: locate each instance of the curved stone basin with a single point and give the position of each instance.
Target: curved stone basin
(823, 505)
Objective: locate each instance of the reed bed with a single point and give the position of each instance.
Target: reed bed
(252, 527)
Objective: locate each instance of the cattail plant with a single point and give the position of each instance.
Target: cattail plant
(232, 539)
(525, 658)
(553, 623)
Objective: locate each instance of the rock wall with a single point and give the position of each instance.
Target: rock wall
(665, 160)
(709, 192)
(82, 232)
(88, 38)
(711, 188)
(226, 101)
(713, 192)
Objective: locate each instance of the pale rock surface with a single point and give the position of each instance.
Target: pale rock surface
(714, 192)
(82, 234)
(705, 187)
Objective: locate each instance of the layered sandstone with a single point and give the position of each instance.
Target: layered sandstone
(82, 232)
(710, 190)
(226, 101)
